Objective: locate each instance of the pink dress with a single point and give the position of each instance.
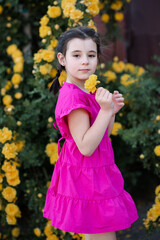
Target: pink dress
(86, 194)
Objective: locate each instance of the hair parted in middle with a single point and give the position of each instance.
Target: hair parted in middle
(81, 32)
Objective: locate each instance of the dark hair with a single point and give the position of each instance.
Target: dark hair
(77, 32)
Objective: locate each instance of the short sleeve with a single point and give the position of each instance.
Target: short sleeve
(74, 101)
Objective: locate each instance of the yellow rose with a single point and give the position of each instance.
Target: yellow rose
(15, 232)
(157, 150)
(12, 175)
(62, 78)
(44, 30)
(37, 232)
(91, 83)
(16, 78)
(9, 194)
(1, 9)
(52, 237)
(91, 25)
(67, 10)
(157, 190)
(93, 9)
(7, 99)
(118, 66)
(118, 16)
(116, 127)
(20, 145)
(54, 12)
(111, 76)
(76, 15)
(53, 158)
(18, 95)
(7, 167)
(64, 3)
(18, 68)
(11, 220)
(14, 181)
(3, 91)
(48, 55)
(125, 80)
(8, 85)
(44, 20)
(48, 230)
(129, 67)
(5, 134)
(9, 150)
(51, 148)
(116, 5)
(45, 69)
(12, 210)
(53, 72)
(105, 18)
(11, 49)
(101, 5)
(16, 54)
(54, 43)
(141, 70)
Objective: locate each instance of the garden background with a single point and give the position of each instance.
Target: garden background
(29, 32)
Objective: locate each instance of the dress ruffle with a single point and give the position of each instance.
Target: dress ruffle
(74, 211)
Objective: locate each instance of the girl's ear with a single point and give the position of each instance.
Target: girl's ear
(61, 58)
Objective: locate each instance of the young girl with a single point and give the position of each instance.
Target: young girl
(87, 193)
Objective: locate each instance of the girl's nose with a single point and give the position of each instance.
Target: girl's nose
(85, 60)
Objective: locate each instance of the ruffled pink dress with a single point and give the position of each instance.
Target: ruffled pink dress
(86, 194)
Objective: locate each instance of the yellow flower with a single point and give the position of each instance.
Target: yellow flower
(68, 8)
(101, 5)
(54, 43)
(5, 134)
(52, 237)
(18, 95)
(11, 220)
(125, 80)
(37, 232)
(45, 69)
(48, 230)
(141, 156)
(15, 232)
(91, 25)
(118, 16)
(53, 72)
(141, 70)
(18, 68)
(17, 53)
(38, 56)
(8, 85)
(129, 67)
(1, 9)
(157, 190)
(44, 30)
(76, 15)
(157, 150)
(19, 145)
(64, 3)
(105, 18)
(118, 66)
(16, 79)
(7, 99)
(1, 177)
(48, 55)
(116, 127)
(13, 181)
(91, 82)
(54, 12)
(12, 210)
(111, 76)
(158, 118)
(9, 194)
(54, 158)
(50, 119)
(62, 77)
(12, 175)
(44, 20)
(9, 150)
(116, 5)
(8, 167)
(3, 91)
(11, 49)
(93, 9)
(51, 148)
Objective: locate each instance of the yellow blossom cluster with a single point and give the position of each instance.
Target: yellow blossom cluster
(92, 7)
(153, 213)
(91, 83)
(5, 135)
(17, 57)
(13, 212)
(70, 11)
(52, 152)
(11, 173)
(116, 127)
(157, 150)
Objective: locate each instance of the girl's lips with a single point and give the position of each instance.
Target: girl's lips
(84, 70)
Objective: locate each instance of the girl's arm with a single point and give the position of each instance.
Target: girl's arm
(87, 137)
(110, 125)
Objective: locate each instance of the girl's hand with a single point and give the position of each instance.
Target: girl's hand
(118, 101)
(104, 99)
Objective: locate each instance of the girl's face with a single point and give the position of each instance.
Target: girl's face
(80, 60)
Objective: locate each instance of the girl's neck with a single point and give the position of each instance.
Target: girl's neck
(78, 84)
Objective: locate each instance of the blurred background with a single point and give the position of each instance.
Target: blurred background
(130, 63)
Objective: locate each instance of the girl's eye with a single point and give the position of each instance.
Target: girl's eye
(76, 55)
(92, 55)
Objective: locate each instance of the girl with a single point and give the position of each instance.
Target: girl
(87, 193)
